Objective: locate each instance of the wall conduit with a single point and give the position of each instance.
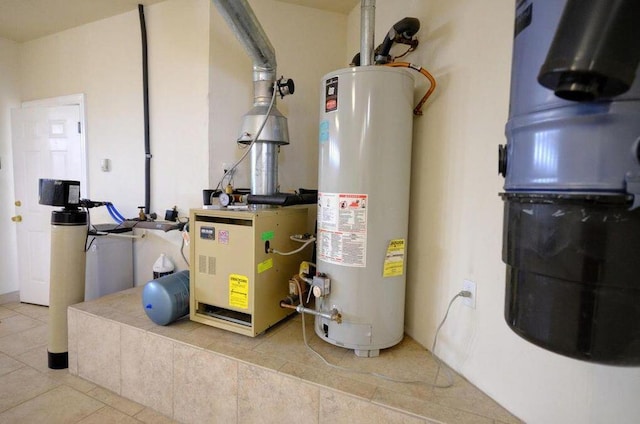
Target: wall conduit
(145, 94)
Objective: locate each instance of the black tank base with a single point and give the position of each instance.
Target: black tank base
(573, 275)
(58, 361)
(582, 321)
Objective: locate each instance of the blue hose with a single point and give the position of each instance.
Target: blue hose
(115, 215)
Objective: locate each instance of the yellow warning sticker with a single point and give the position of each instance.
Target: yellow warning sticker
(265, 265)
(239, 291)
(394, 259)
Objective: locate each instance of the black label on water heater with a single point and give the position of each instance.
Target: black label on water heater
(331, 95)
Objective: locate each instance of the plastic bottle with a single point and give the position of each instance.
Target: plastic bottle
(163, 266)
(167, 298)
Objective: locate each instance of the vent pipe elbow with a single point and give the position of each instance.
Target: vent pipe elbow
(244, 24)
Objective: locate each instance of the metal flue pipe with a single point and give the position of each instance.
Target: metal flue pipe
(367, 31)
(264, 160)
(244, 24)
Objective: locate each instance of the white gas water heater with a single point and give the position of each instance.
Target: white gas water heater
(365, 137)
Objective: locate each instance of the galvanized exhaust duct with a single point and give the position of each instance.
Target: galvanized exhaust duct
(367, 31)
(264, 154)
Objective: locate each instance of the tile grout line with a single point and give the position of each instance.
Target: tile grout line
(31, 398)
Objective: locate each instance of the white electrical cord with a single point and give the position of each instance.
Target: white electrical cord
(435, 341)
(185, 242)
(386, 377)
(231, 170)
(306, 242)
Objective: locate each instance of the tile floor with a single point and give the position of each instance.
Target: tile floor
(32, 393)
(262, 379)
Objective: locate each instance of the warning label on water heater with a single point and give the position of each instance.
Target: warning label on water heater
(331, 94)
(394, 259)
(342, 228)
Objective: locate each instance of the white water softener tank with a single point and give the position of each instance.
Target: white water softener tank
(363, 205)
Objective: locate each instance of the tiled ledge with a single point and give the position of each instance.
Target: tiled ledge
(195, 373)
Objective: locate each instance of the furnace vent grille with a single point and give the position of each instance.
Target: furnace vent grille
(207, 264)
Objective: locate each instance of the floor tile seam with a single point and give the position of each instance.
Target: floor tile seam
(17, 358)
(156, 412)
(183, 343)
(438, 400)
(12, 313)
(404, 411)
(104, 405)
(173, 344)
(329, 388)
(169, 338)
(21, 365)
(26, 306)
(433, 401)
(110, 405)
(320, 386)
(16, 332)
(147, 330)
(245, 362)
(11, 305)
(382, 405)
(34, 397)
(119, 393)
(278, 370)
(201, 350)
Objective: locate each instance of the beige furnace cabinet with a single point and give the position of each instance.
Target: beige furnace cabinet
(235, 284)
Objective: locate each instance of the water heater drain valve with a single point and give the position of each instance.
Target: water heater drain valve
(321, 285)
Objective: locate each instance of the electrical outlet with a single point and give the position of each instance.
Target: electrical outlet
(469, 286)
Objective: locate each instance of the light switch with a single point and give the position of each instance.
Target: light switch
(105, 165)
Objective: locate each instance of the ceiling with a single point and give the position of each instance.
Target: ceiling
(340, 6)
(24, 20)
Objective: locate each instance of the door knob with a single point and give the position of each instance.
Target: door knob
(17, 218)
(18, 203)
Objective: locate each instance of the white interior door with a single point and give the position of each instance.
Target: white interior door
(46, 143)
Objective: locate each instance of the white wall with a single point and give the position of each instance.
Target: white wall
(9, 98)
(103, 60)
(178, 33)
(200, 86)
(456, 222)
(308, 44)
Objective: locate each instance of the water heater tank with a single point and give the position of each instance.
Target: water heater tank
(363, 205)
(571, 237)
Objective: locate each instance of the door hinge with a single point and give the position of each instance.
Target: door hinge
(79, 128)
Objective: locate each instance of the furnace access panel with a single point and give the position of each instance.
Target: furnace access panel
(234, 283)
